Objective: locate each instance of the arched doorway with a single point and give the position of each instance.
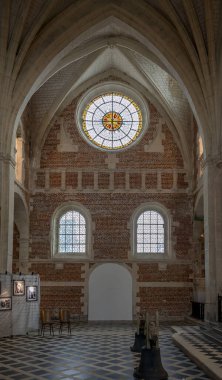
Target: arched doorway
(110, 293)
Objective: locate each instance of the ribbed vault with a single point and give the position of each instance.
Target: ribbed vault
(51, 49)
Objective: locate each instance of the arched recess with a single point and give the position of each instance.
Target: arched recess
(21, 219)
(199, 256)
(110, 293)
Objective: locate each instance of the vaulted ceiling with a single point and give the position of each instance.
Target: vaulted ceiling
(112, 57)
(52, 51)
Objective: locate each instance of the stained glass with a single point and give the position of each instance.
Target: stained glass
(81, 219)
(160, 238)
(69, 216)
(140, 248)
(153, 238)
(72, 233)
(146, 238)
(68, 239)
(82, 229)
(140, 238)
(68, 228)
(150, 232)
(62, 239)
(146, 248)
(112, 121)
(62, 229)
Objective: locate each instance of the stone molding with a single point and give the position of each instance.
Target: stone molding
(111, 187)
(7, 158)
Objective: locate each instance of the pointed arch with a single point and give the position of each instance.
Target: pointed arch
(163, 42)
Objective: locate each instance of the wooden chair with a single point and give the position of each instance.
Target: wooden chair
(64, 320)
(46, 321)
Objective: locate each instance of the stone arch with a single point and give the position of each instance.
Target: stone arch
(110, 293)
(155, 43)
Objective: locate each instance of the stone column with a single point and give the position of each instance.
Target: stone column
(218, 229)
(7, 175)
(212, 231)
(24, 255)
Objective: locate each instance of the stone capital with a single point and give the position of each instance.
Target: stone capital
(213, 161)
(7, 158)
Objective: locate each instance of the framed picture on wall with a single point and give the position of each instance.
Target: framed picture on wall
(18, 287)
(5, 303)
(31, 293)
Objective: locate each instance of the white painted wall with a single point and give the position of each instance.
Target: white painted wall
(110, 293)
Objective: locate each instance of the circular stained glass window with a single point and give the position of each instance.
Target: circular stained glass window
(112, 121)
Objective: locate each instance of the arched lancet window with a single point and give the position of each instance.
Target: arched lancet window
(20, 155)
(71, 231)
(151, 232)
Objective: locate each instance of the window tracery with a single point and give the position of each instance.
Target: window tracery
(112, 121)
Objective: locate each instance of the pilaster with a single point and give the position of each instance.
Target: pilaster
(212, 182)
(24, 255)
(7, 177)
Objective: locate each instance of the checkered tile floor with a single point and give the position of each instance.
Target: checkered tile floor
(206, 346)
(92, 352)
(210, 349)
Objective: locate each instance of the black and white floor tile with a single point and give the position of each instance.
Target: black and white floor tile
(92, 352)
(210, 349)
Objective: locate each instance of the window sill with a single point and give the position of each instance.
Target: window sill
(150, 257)
(71, 257)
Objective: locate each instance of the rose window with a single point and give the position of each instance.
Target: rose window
(112, 121)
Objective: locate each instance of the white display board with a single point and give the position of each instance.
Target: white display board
(110, 293)
(19, 304)
(5, 307)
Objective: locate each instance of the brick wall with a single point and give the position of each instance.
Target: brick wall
(112, 192)
(91, 158)
(55, 297)
(170, 302)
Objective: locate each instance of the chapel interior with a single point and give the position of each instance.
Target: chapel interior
(111, 159)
